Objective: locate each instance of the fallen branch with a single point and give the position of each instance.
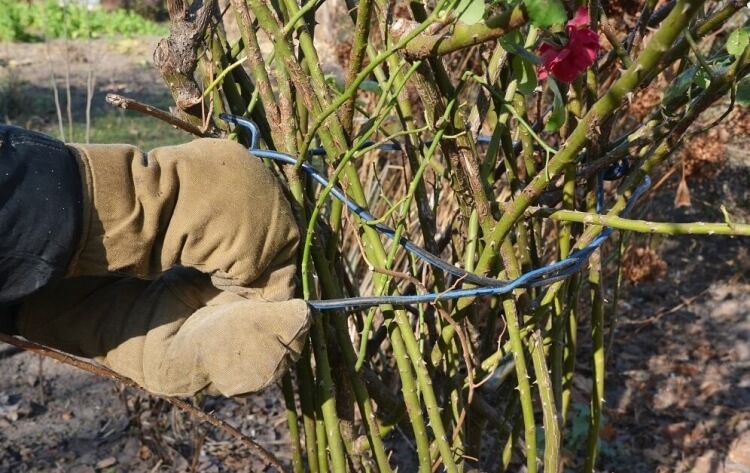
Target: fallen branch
(104, 372)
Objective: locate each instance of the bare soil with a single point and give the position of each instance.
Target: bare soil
(678, 394)
(27, 71)
(679, 385)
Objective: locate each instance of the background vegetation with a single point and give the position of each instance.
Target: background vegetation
(34, 21)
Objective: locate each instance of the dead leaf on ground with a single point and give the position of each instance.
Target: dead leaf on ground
(682, 196)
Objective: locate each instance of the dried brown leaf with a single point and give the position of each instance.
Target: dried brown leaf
(682, 196)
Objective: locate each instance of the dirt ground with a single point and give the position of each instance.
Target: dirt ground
(117, 65)
(678, 396)
(679, 391)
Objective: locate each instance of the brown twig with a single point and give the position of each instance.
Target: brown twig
(132, 104)
(191, 410)
(659, 315)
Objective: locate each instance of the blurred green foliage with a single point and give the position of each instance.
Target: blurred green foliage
(21, 21)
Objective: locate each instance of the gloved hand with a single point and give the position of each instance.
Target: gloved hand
(206, 204)
(176, 335)
(231, 329)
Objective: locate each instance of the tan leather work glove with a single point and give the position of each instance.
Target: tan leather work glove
(176, 335)
(231, 329)
(206, 204)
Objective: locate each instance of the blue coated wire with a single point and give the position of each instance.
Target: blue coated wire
(490, 286)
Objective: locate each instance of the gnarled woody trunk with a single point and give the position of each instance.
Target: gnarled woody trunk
(177, 55)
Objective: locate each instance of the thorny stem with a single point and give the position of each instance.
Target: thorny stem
(603, 108)
(552, 435)
(597, 340)
(307, 405)
(325, 390)
(257, 67)
(366, 71)
(411, 398)
(659, 151)
(460, 151)
(642, 226)
(356, 57)
(617, 46)
(515, 323)
(311, 97)
(524, 388)
(292, 421)
(462, 35)
(428, 393)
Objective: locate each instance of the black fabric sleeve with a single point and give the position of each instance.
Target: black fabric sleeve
(8, 315)
(40, 211)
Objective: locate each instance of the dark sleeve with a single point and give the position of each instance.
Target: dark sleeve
(40, 211)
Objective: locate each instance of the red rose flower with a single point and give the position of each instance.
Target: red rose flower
(564, 63)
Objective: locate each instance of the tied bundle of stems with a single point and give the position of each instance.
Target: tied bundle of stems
(481, 382)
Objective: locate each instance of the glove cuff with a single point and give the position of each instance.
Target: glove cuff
(87, 199)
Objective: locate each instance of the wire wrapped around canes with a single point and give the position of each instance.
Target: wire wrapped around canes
(488, 286)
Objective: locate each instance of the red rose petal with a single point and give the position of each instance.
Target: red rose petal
(581, 20)
(576, 56)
